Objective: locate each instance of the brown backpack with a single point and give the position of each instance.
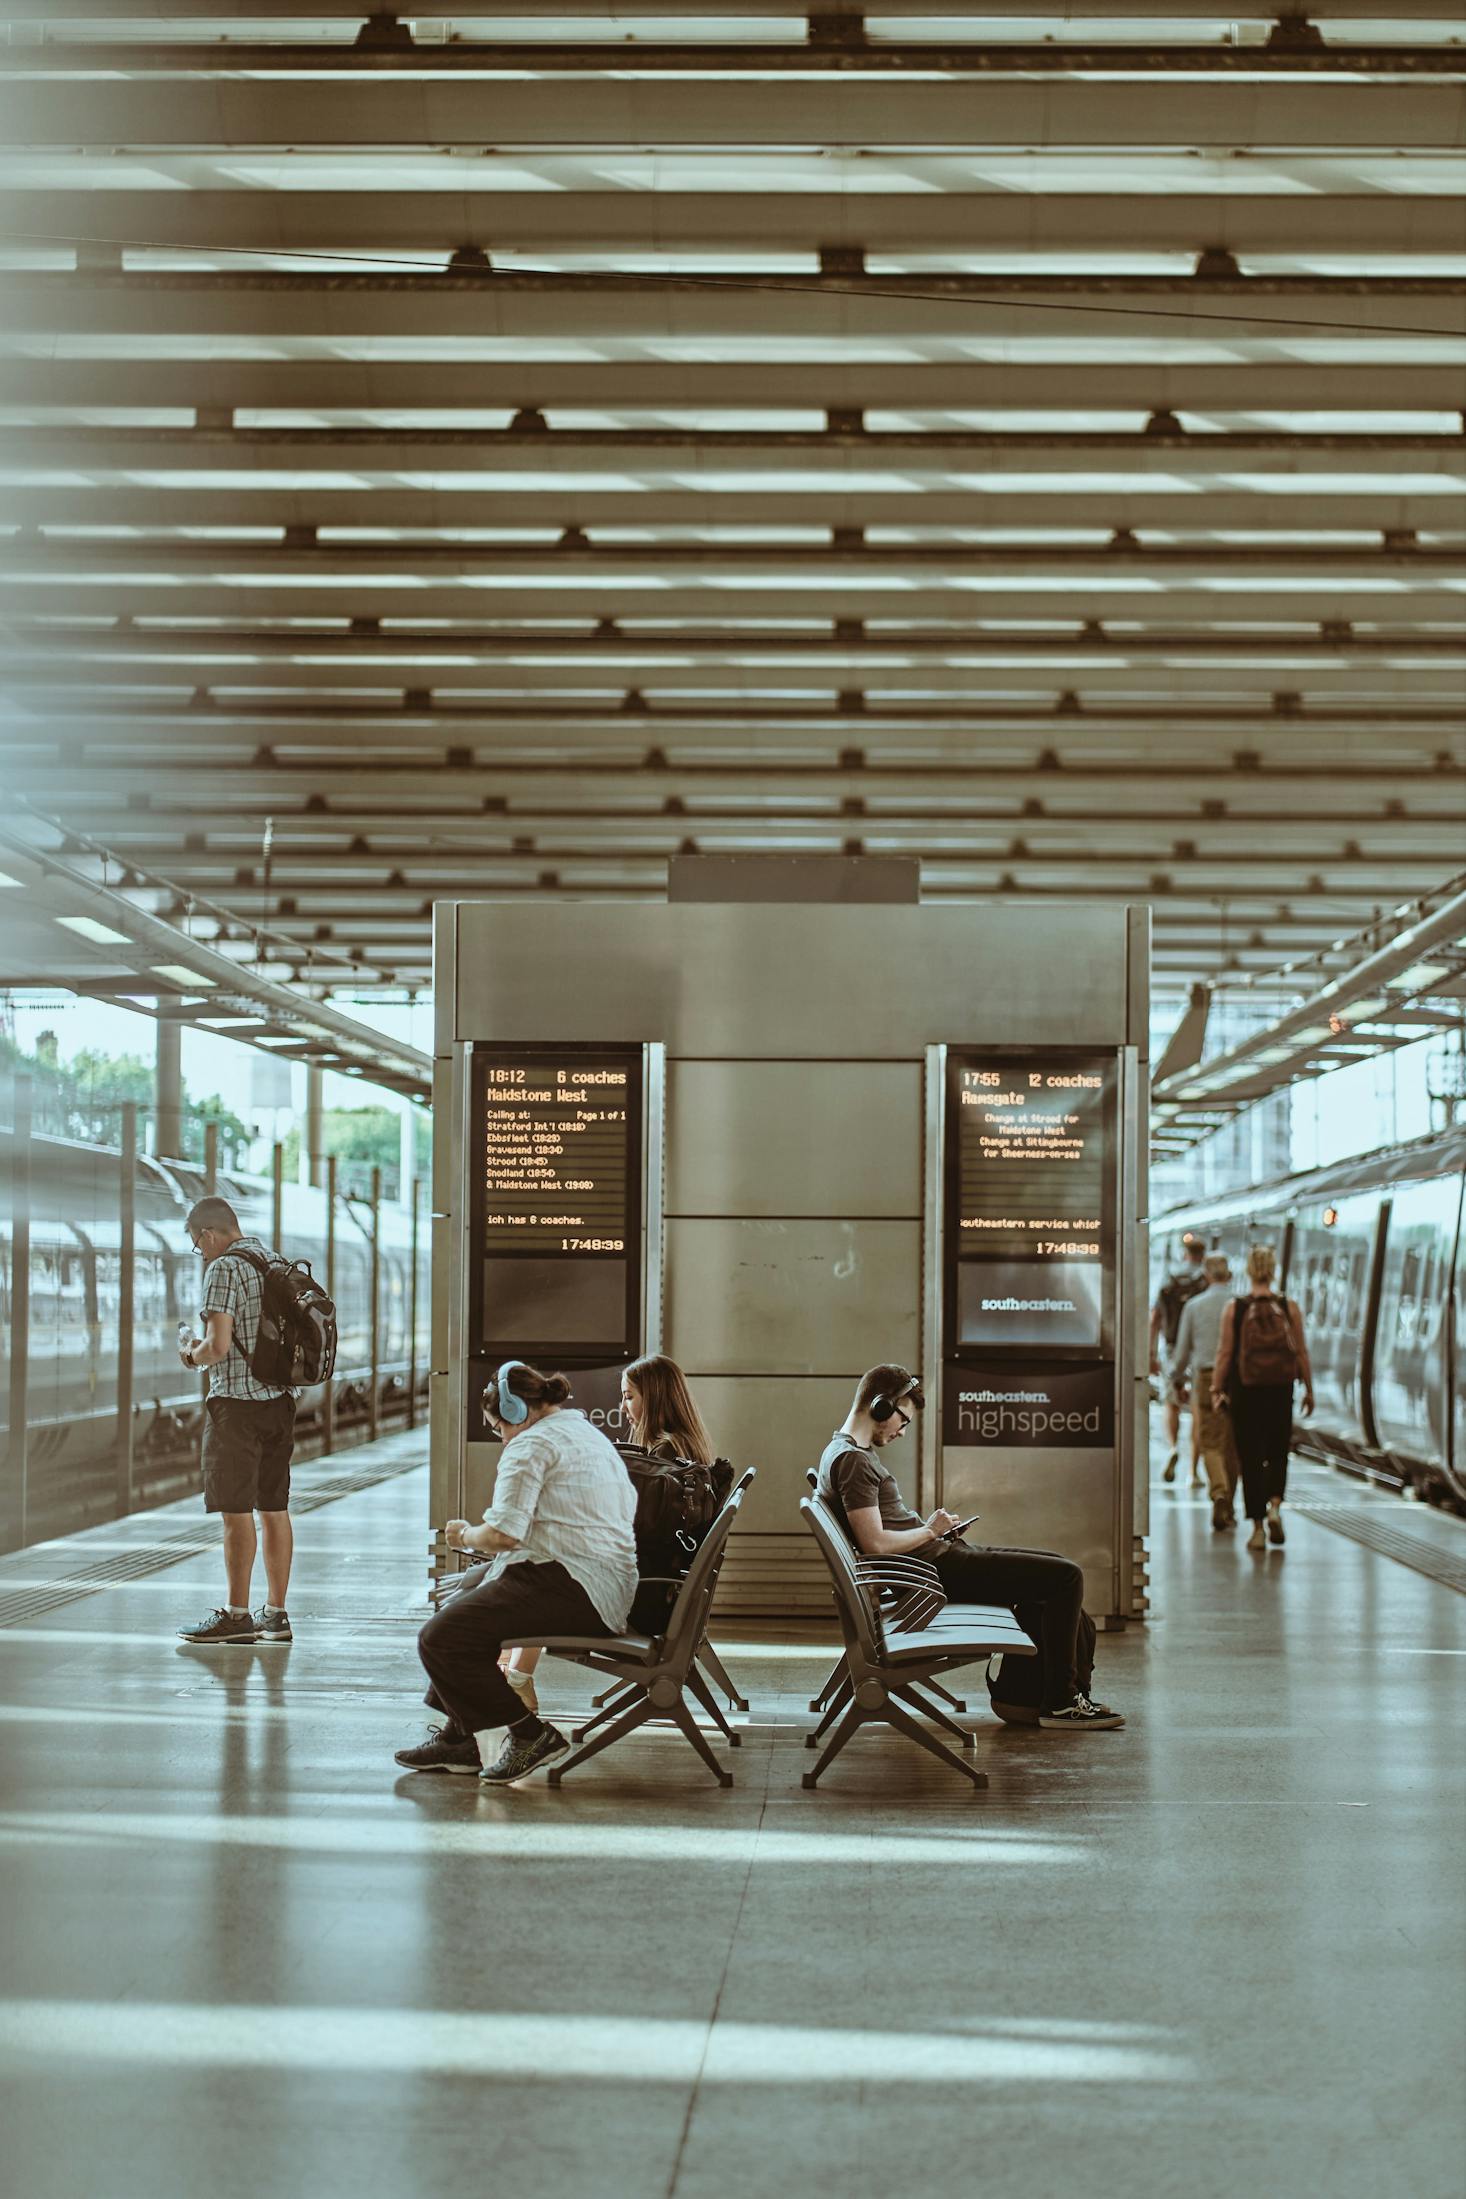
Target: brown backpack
(1267, 1346)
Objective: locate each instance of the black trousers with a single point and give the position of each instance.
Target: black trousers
(460, 1644)
(1262, 1421)
(1044, 1592)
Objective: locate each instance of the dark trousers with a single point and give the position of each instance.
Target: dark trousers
(1262, 1421)
(460, 1644)
(1044, 1592)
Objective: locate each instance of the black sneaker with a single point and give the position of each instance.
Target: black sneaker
(517, 1759)
(438, 1754)
(272, 1626)
(1170, 1472)
(1081, 1716)
(222, 1626)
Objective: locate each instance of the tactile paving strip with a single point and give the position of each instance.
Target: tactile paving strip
(1412, 1550)
(69, 1585)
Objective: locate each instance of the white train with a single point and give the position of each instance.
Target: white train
(75, 1279)
(1372, 1249)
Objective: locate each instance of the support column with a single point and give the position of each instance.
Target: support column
(277, 1196)
(313, 1144)
(374, 1402)
(20, 1320)
(126, 1304)
(328, 1402)
(168, 1094)
(414, 1189)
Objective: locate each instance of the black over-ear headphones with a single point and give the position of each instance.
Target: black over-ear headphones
(882, 1408)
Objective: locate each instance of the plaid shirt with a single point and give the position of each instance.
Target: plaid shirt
(232, 1286)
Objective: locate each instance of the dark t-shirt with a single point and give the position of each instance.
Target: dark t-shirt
(854, 1480)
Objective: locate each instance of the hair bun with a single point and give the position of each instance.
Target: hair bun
(557, 1389)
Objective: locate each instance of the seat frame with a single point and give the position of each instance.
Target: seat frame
(652, 1672)
(884, 1675)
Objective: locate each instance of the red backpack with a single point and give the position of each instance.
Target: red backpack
(1267, 1345)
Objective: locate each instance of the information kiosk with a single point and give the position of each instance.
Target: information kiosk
(781, 1141)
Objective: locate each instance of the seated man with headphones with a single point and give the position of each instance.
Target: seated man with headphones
(1043, 1590)
(559, 1536)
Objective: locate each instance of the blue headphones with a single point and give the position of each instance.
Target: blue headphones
(512, 1408)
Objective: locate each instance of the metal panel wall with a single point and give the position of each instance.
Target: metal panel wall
(801, 1233)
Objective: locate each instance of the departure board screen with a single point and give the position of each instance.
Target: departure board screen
(1031, 1202)
(555, 1201)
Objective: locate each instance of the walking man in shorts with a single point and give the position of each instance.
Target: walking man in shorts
(249, 1431)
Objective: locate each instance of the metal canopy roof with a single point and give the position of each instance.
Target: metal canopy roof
(1389, 986)
(495, 452)
(62, 925)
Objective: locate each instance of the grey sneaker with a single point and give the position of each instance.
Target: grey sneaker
(222, 1626)
(272, 1626)
(437, 1754)
(1081, 1716)
(517, 1759)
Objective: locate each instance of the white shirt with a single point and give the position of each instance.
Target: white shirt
(565, 1496)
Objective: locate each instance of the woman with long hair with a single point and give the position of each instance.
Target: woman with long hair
(1261, 1354)
(660, 1413)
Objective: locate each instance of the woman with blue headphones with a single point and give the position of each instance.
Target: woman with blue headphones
(562, 1560)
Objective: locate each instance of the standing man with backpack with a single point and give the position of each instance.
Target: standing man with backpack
(249, 1423)
(1187, 1282)
(1261, 1353)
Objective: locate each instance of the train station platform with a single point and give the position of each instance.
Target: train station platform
(242, 1951)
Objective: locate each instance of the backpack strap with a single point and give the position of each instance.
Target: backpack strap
(256, 1260)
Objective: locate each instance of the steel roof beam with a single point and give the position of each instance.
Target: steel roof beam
(623, 113)
(613, 12)
(1382, 684)
(298, 217)
(1288, 504)
(730, 60)
(35, 642)
(668, 457)
(1143, 385)
(331, 305)
(1179, 599)
(1341, 735)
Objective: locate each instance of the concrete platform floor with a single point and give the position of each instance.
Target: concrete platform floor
(1218, 1952)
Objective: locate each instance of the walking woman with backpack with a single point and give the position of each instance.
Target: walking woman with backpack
(1261, 1354)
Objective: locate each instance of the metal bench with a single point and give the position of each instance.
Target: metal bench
(653, 1671)
(885, 1671)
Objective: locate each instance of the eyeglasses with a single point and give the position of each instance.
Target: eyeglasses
(904, 1418)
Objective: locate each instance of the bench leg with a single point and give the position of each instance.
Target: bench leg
(712, 1665)
(838, 1699)
(623, 1694)
(935, 1687)
(709, 1703)
(912, 1694)
(903, 1721)
(684, 1718)
(855, 1717)
(818, 1702)
(628, 1722)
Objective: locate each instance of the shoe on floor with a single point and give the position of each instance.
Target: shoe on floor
(1170, 1472)
(1257, 1540)
(1081, 1716)
(523, 1686)
(272, 1626)
(1222, 1515)
(438, 1754)
(517, 1759)
(1275, 1533)
(222, 1626)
